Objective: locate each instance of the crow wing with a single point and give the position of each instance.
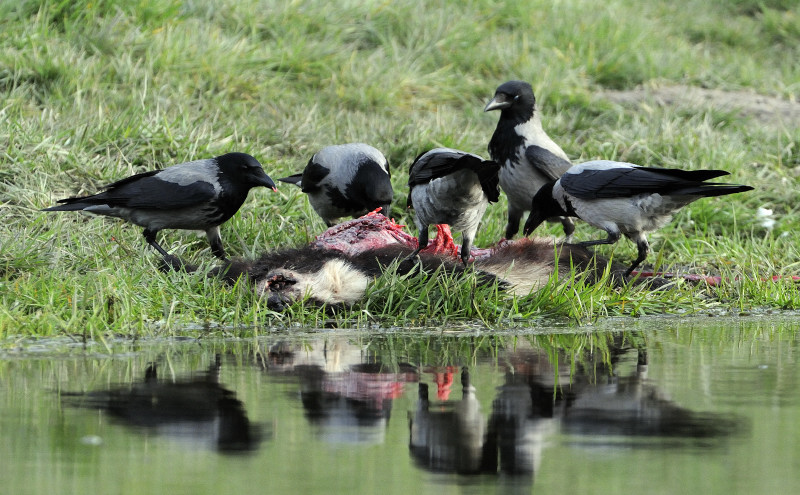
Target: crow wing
(429, 166)
(549, 164)
(487, 172)
(630, 181)
(443, 163)
(146, 191)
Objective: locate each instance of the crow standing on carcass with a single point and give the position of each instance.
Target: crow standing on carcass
(346, 180)
(448, 186)
(624, 199)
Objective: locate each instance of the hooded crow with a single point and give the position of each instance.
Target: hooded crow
(527, 156)
(448, 186)
(198, 195)
(346, 180)
(623, 198)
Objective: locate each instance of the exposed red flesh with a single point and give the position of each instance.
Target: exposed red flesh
(442, 242)
(373, 231)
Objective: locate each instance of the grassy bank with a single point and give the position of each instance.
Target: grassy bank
(93, 91)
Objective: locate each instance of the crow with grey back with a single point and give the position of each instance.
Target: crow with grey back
(624, 199)
(198, 195)
(346, 180)
(452, 187)
(527, 156)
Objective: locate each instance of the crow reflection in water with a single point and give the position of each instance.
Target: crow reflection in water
(593, 405)
(195, 408)
(448, 437)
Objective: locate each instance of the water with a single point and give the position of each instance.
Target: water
(690, 405)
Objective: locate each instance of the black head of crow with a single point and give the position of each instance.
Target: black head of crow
(527, 156)
(451, 187)
(198, 195)
(346, 180)
(624, 199)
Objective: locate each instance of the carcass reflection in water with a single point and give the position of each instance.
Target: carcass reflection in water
(195, 409)
(346, 391)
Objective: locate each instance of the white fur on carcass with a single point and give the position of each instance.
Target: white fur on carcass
(346, 263)
(337, 282)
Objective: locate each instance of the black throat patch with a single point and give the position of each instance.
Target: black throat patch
(504, 143)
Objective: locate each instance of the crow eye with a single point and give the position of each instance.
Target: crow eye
(516, 98)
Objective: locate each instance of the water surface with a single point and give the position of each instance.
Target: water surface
(673, 405)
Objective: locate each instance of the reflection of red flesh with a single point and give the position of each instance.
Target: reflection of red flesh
(373, 387)
(444, 382)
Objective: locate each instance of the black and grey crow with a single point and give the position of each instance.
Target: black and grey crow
(346, 180)
(527, 156)
(198, 195)
(448, 186)
(623, 198)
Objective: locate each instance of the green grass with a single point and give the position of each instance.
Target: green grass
(93, 91)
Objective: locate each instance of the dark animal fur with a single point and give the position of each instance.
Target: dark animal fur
(527, 253)
(508, 265)
(308, 259)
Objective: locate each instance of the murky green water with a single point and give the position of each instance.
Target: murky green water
(692, 405)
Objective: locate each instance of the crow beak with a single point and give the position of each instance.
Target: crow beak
(534, 220)
(262, 179)
(499, 102)
(268, 183)
(296, 179)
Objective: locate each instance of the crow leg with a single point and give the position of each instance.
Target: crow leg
(150, 237)
(466, 244)
(216, 243)
(611, 239)
(643, 247)
(423, 242)
(172, 263)
(569, 228)
(514, 217)
(422, 393)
